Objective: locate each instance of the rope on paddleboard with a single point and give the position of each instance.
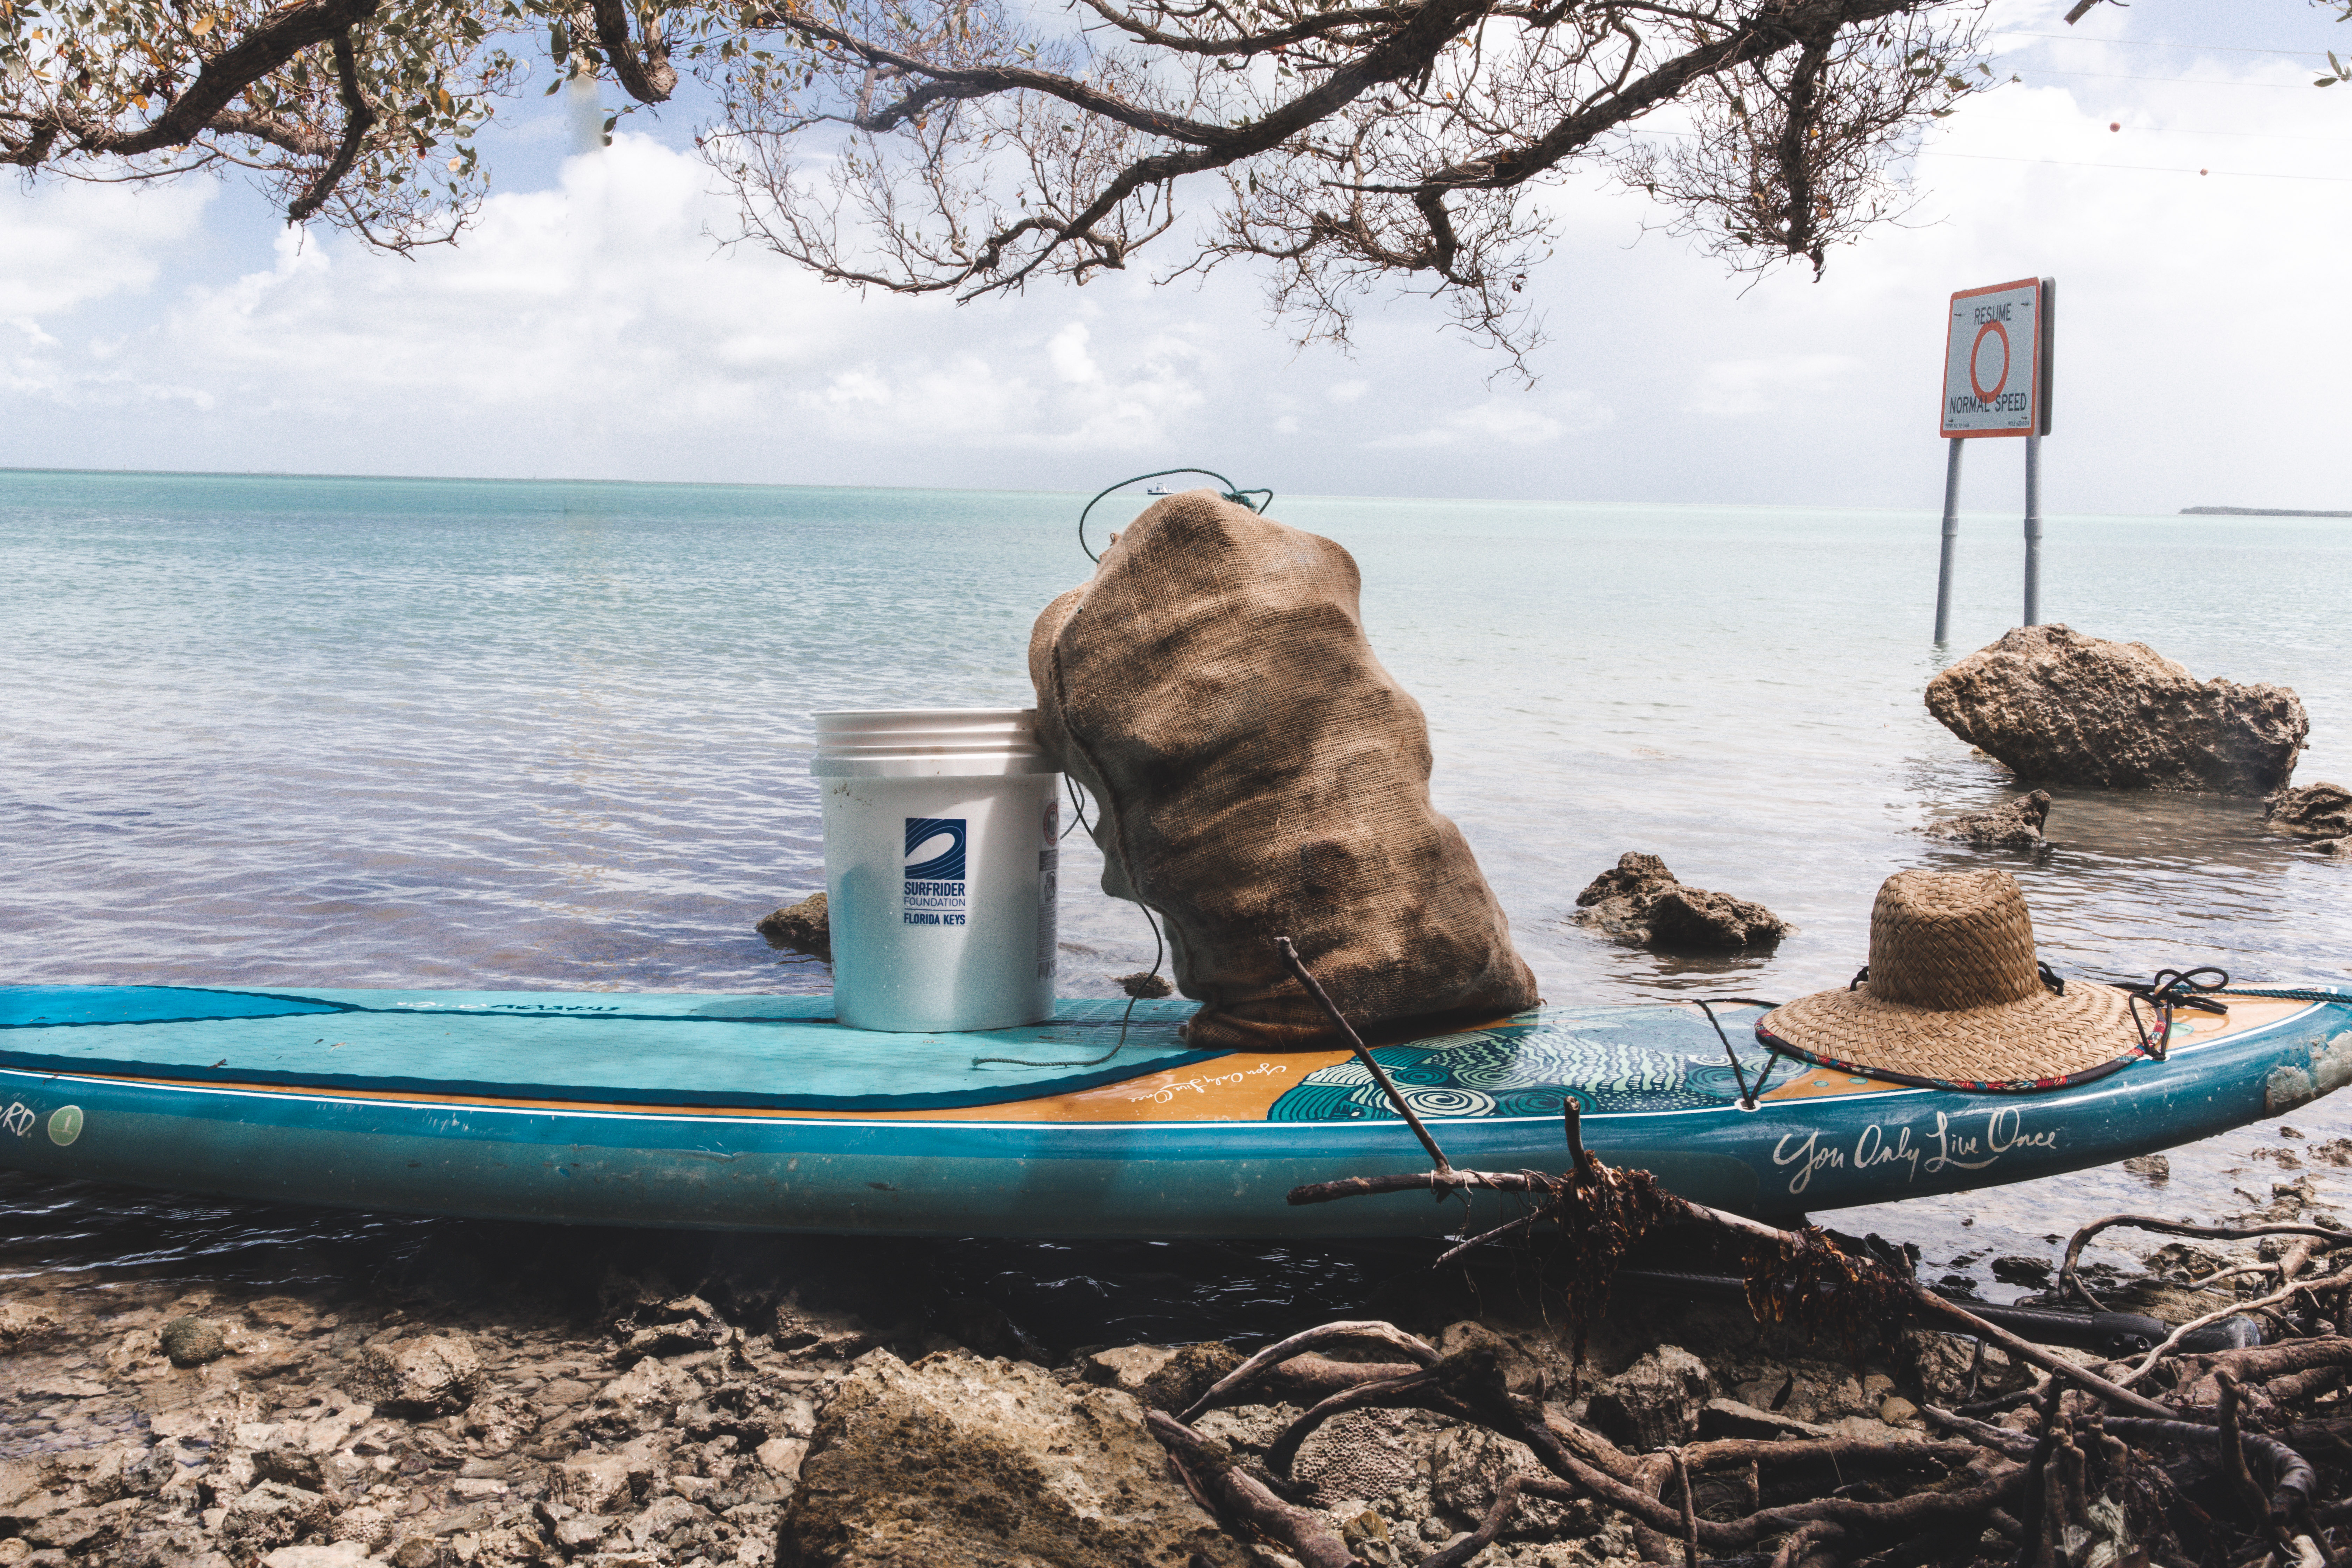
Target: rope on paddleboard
(2170, 991)
(1707, 1004)
(1230, 492)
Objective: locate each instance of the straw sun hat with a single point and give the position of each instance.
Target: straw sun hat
(1954, 996)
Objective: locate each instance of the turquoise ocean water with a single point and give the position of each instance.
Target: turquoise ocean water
(259, 731)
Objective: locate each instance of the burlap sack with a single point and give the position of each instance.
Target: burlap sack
(1259, 774)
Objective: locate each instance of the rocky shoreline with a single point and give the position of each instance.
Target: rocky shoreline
(701, 1412)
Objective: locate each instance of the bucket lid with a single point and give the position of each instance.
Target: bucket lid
(951, 737)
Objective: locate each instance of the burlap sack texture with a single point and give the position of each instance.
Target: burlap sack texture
(1259, 774)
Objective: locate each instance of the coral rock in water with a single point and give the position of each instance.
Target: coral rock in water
(2056, 707)
(801, 928)
(1638, 903)
(2315, 811)
(2016, 826)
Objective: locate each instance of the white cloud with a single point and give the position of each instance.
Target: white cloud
(1505, 422)
(1732, 387)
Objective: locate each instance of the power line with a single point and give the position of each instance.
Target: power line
(2174, 80)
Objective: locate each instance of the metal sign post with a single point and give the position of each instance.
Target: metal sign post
(1998, 363)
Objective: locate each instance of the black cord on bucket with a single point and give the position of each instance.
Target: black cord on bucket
(1238, 497)
(1159, 955)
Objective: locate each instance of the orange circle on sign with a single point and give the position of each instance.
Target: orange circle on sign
(1977, 348)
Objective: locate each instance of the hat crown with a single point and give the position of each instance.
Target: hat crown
(1950, 939)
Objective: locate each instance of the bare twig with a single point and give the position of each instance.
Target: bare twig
(1222, 1391)
(2067, 1270)
(1298, 971)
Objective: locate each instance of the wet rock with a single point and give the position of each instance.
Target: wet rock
(1467, 1467)
(1655, 1403)
(958, 1462)
(801, 928)
(2149, 1167)
(2310, 811)
(340, 1554)
(1522, 1373)
(2335, 848)
(2015, 825)
(22, 1321)
(1188, 1374)
(274, 1514)
(2057, 706)
(435, 1375)
(1638, 903)
(2033, 1273)
(648, 1392)
(1938, 1368)
(1146, 986)
(1125, 1367)
(815, 1332)
(193, 1342)
(679, 1326)
(368, 1526)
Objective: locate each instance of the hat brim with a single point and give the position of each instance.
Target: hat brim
(2043, 1041)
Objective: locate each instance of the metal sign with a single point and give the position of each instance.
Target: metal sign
(1997, 360)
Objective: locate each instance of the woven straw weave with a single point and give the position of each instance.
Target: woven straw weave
(1259, 774)
(1954, 995)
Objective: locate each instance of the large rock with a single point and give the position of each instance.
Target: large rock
(1638, 903)
(804, 927)
(2016, 825)
(2057, 706)
(2315, 811)
(437, 1375)
(956, 1462)
(1655, 1403)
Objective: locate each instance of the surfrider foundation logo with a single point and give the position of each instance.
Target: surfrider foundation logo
(935, 882)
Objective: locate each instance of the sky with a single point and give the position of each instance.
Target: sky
(2169, 163)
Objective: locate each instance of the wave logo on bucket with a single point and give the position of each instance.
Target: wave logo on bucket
(935, 872)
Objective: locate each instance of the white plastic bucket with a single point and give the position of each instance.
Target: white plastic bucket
(943, 829)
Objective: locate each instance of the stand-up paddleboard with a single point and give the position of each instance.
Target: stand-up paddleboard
(760, 1113)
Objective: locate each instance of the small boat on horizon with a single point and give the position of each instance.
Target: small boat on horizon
(1155, 491)
(751, 1112)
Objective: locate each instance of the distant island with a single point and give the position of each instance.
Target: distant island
(2254, 512)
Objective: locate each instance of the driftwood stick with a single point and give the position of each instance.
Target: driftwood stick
(1524, 1221)
(1681, 1209)
(2025, 1350)
(1845, 1453)
(1300, 972)
(2073, 1280)
(1902, 1517)
(1243, 1497)
(1420, 1351)
(2292, 1482)
(1456, 1554)
(1802, 1540)
(2242, 1477)
(1690, 1512)
(2016, 1445)
(2280, 1298)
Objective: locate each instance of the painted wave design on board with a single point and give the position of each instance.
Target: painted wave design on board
(1642, 1061)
